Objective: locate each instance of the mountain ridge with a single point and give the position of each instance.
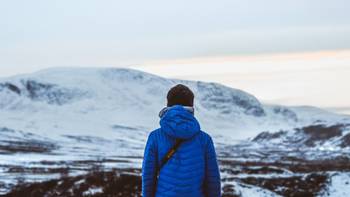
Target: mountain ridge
(87, 90)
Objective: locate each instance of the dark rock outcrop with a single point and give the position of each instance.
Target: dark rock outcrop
(51, 93)
(321, 133)
(10, 87)
(291, 115)
(223, 99)
(265, 136)
(345, 141)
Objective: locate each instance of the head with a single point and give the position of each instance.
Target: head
(180, 95)
(177, 119)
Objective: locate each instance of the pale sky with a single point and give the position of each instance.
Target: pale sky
(156, 35)
(42, 33)
(318, 79)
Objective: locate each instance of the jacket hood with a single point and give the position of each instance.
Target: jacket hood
(179, 122)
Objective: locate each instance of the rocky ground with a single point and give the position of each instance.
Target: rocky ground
(95, 183)
(239, 178)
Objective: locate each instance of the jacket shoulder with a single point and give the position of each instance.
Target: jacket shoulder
(205, 135)
(154, 135)
(204, 138)
(154, 132)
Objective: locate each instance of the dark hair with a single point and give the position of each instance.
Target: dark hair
(180, 95)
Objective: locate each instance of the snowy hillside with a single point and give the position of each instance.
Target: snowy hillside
(76, 116)
(60, 100)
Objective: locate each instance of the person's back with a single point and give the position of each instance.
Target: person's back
(192, 171)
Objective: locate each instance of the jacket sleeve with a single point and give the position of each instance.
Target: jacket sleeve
(149, 166)
(212, 185)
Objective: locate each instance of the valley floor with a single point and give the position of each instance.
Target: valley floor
(239, 179)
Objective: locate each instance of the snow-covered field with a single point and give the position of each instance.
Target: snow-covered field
(65, 121)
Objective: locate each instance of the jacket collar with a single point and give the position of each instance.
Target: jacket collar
(165, 109)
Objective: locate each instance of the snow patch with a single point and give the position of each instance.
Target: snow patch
(339, 186)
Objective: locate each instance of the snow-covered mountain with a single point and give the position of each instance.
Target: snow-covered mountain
(75, 115)
(61, 99)
(82, 108)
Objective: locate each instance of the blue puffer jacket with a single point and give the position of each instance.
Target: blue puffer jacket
(192, 171)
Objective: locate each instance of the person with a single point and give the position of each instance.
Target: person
(192, 171)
